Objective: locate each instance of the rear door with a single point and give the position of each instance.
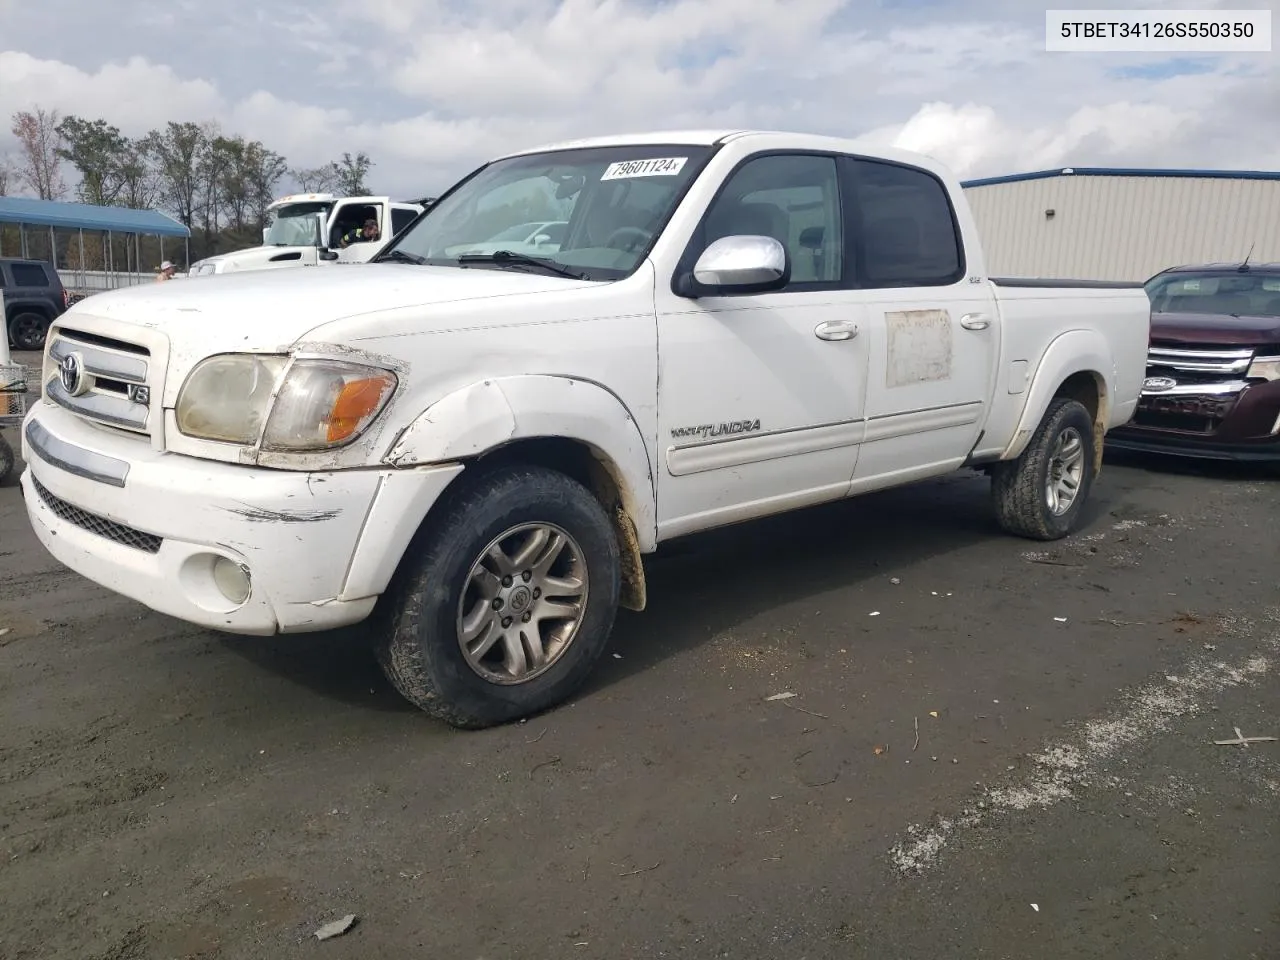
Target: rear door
(933, 334)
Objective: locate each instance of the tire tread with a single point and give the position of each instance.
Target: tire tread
(407, 662)
(1017, 486)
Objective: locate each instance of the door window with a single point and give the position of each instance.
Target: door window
(796, 200)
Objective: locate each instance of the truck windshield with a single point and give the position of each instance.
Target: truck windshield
(594, 210)
(1223, 294)
(295, 225)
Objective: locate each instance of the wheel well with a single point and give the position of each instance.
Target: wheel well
(1088, 389)
(595, 471)
(17, 309)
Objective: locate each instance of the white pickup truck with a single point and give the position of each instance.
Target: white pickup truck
(475, 450)
(307, 229)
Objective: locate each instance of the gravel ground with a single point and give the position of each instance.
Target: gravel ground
(166, 792)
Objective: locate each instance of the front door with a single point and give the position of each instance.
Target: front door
(932, 336)
(760, 396)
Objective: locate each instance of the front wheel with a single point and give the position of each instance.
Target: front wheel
(1040, 495)
(508, 602)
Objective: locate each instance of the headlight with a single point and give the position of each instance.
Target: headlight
(228, 397)
(320, 403)
(1264, 368)
(326, 403)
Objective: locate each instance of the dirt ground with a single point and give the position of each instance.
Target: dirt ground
(996, 749)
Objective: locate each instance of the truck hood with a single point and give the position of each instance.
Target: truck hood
(256, 253)
(270, 310)
(1202, 328)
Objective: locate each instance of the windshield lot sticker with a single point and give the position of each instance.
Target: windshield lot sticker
(658, 167)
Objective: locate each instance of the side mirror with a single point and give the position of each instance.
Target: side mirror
(541, 238)
(738, 264)
(322, 241)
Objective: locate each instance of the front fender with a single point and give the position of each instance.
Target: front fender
(1070, 353)
(488, 414)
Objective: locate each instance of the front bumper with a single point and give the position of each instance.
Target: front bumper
(1241, 426)
(319, 547)
(1169, 444)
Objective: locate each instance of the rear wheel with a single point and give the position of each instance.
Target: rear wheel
(27, 331)
(508, 602)
(1040, 495)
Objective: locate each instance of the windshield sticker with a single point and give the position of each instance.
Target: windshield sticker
(658, 167)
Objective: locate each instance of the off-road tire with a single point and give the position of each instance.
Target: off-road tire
(418, 646)
(1018, 486)
(21, 323)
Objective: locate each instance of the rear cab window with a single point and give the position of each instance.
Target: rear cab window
(907, 231)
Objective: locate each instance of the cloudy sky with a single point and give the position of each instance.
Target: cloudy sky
(429, 88)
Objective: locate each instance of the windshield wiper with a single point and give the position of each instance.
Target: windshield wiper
(509, 258)
(399, 256)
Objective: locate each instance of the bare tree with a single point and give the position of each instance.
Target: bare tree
(39, 166)
(315, 179)
(6, 175)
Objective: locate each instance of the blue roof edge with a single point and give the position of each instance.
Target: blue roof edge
(72, 216)
(1124, 172)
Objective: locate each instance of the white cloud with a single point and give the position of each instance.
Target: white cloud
(431, 87)
(117, 92)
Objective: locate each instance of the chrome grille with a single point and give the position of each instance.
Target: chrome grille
(107, 381)
(1205, 370)
(1222, 362)
(108, 529)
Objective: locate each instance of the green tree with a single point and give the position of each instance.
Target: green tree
(176, 152)
(349, 174)
(211, 166)
(140, 183)
(98, 151)
(264, 169)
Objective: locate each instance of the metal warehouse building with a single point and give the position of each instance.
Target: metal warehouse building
(1111, 224)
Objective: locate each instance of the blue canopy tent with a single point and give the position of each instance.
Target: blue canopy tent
(53, 216)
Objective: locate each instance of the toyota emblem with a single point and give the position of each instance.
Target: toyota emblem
(71, 372)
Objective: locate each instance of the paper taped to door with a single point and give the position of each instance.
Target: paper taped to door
(919, 347)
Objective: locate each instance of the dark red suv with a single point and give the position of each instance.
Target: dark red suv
(1213, 369)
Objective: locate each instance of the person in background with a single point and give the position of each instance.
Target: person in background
(166, 272)
(363, 235)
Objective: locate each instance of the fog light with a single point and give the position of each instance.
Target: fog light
(232, 580)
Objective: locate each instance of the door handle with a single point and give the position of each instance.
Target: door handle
(974, 321)
(836, 330)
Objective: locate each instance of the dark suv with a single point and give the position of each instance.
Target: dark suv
(1213, 369)
(33, 298)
